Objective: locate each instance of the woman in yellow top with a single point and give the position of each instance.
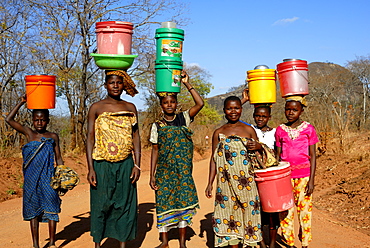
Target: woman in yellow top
(112, 140)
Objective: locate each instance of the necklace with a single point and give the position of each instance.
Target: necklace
(174, 117)
(263, 132)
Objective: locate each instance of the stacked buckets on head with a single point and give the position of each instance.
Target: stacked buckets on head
(274, 186)
(168, 64)
(114, 39)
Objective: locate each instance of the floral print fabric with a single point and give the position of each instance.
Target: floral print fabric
(113, 136)
(237, 205)
(304, 211)
(177, 192)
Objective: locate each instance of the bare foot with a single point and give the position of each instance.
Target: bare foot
(163, 245)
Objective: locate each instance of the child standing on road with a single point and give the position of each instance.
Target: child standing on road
(296, 143)
(171, 165)
(40, 201)
(112, 139)
(266, 135)
(236, 217)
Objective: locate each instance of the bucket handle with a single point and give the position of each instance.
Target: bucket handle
(168, 68)
(39, 82)
(262, 179)
(295, 69)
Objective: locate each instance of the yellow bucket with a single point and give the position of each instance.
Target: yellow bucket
(262, 86)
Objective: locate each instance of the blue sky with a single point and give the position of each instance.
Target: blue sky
(228, 38)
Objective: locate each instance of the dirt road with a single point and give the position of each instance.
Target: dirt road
(73, 229)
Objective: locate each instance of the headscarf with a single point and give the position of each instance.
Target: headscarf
(128, 85)
(300, 99)
(164, 94)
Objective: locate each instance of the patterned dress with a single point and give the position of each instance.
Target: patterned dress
(294, 143)
(114, 200)
(39, 198)
(236, 217)
(176, 198)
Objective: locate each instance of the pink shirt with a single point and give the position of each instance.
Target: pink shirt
(294, 143)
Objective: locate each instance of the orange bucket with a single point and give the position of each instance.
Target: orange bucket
(40, 90)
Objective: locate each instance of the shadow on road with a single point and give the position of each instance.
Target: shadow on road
(75, 230)
(82, 225)
(206, 226)
(145, 224)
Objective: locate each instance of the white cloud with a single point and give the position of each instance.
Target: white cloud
(285, 21)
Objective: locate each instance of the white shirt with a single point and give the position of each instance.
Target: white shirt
(267, 137)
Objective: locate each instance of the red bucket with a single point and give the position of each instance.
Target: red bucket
(114, 37)
(293, 77)
(275, 188)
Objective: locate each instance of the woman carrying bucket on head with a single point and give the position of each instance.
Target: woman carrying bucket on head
(296, 143)
(113, 154)
(172, 164)
(235, 147)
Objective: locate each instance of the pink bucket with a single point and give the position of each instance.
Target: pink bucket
(293, 77)
(114, 37)
(275, 188)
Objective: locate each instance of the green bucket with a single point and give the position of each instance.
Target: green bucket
(169, 43)
(168, 76)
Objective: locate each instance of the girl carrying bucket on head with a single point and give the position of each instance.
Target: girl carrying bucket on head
(113, 158)
(40, 201)
(296, 143)
(266, 135)
(171, 165)
(236, 218)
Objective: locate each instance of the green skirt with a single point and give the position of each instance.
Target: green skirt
(114, 201)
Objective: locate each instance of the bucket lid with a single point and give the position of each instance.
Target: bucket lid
(114, 24)
(168, 25)
(286, 60)
(261, 67)
(282, 165)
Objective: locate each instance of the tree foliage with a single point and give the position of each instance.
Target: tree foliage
(57, 37)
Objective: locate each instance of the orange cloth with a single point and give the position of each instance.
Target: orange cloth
(129, 85)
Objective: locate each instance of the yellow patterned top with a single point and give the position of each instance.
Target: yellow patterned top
(113, 136)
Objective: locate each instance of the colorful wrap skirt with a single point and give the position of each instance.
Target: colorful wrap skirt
(176, 198)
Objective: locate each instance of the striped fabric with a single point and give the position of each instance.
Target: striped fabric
(39, 198)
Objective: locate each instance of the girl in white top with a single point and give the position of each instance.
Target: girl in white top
(265, 134)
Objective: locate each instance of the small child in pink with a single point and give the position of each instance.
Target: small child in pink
(296, 143)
